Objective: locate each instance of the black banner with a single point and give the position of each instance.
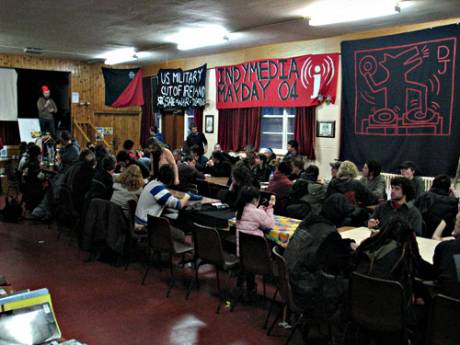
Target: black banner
(181, 89)
(400, 100)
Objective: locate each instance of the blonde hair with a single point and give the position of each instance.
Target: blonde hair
(131, 178)
(347, 169)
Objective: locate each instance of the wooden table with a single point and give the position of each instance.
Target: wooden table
(220, 181)
(180, 195)
(425, 245)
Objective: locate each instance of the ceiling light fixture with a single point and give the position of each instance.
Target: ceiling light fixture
(340, 11)
(119, 56)
(199, 37)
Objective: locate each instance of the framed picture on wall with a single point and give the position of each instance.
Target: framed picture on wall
(209, 123)
(325, 129)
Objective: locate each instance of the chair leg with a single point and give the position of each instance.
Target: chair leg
(270, 309)
(294, 329)
(218, 290)
(147, 269)
(265, 294)
(276, 319)
(193, 282)
(173, 279)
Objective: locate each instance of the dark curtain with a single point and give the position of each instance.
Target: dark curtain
(198, 117)
(305, 131)
(148, 118)
(9, 133)
(239, 127)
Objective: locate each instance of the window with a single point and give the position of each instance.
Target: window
(277, 128)
(188, 120)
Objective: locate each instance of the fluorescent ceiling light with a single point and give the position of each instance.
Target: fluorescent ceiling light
(340, 11)
(198, 37)
(119, 56)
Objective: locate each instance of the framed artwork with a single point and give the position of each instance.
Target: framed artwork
(209, 123)
(325, 129)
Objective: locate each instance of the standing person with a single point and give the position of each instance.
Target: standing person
(46, 111)
(197, 138)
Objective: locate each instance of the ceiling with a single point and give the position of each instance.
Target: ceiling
(85, 29)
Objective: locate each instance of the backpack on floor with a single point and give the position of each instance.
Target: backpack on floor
(13, 208)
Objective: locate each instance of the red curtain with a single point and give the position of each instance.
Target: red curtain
(305, 131)
(148, 118)
(198, 117)
(9, 133)
(238, 128)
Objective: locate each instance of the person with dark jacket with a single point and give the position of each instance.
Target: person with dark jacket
(201, 160)
(319, 262)
(241, 177)
(69, 151)
(438, 204)
(218, 166)
(32, 185)
(124, 160)
(197, 138)
(188, 175)
(297, 165)
(280, 183)
(101, 186)
(261, 171)
(408, 170)
(346, 183)
(373, 180)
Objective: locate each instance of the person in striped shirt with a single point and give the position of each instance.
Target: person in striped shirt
(156, 200)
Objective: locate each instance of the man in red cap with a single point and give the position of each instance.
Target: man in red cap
(46, 110)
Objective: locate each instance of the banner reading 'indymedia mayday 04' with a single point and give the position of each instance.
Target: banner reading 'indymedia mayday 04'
(181, 89)
(290, 82)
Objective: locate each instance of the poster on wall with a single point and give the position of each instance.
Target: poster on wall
(401, 102)
(181, 89)
(301, 81)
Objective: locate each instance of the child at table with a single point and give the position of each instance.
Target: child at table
(252, 219)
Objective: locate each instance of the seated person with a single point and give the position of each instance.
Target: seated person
(297, 165)
(271, 158)
(177, 153)
(261, 171)
(101, 186)
(408, 170)
(335, 165)
(31, 182)
(188, 175)
(308, 190)
(292, 150)
(157, 201)
(127, 187)
(241, 177)
(318, 261)
(124, 161)
(69, 152)
(438, 205)
(373, 180)
(346, 183)
(218, 166)
(280, 183)
(401, 190)
(128, 147)
(199, 157)
(446, 262)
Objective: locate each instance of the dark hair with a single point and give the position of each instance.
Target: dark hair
(166, 174)
(241, 175)
(123, 156)
(197, 149)
(441, 183)
(298, 162)
(65, 136)
(374, 167)
(262, 157)
(187, 158)
(311, 173)
(285, 168)
(33, 151)
(128, 144)
(248, 193)
(22, 147)
(86, 153)
(294, 144)
(108, 163)
(405, 185)
(218, 155)
(101, 152)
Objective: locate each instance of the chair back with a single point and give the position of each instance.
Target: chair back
(284, 285)
(377, 304)
(159, 232)
(255, 254)
(444, 321)
(132, 204)
(208, 245)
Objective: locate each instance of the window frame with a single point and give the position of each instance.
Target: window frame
(285, 116)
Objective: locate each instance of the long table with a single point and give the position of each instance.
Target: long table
(219, 181)
(425, 245)
(204, 201)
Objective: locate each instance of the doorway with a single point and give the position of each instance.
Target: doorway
(172, 128)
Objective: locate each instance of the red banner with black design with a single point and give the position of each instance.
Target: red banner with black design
(300, 81)
(123, 87)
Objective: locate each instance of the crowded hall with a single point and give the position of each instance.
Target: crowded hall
(230, 172)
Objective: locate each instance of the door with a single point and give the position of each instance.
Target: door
(172, 127)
